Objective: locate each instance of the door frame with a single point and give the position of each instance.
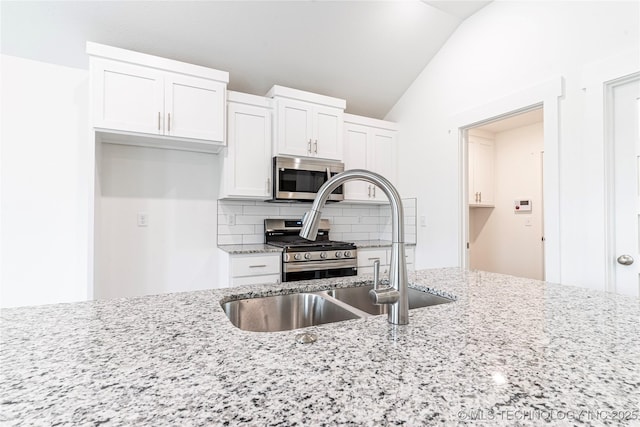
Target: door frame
(545, 95)
(595, 77)
(609, 187)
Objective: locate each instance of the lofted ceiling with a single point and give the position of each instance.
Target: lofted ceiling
(367, 52)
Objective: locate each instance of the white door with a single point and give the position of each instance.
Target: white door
(248, 162)
(625, 131)
(383, 159)
(356, 145)
(194, 108)
(294, 136)
(127, 97)
(481, 168)
(328, 133)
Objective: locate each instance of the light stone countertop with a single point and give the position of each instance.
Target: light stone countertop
(262, 248)
(259, 248)
(508, 351)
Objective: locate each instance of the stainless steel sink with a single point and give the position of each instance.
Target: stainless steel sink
(285, 312)
(294, 311)
(359, 298)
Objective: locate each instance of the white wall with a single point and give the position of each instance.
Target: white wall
(502, 240)
(176, 251)
(506, 48)
(45, 183)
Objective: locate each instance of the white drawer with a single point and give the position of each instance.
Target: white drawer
(255, 265)
(410, 255)
(368, 257)
(384, 270)
(255, 280)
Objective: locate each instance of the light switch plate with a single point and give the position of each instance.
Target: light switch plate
(143, 219)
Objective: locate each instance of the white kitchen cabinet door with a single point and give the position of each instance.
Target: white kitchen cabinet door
(127, 97)
(481, 165)
(194, 108)
(294, 132)
(372, 145)
(383, 158)
(410, 256)
(356, 147)
(327, 133)
(308, 130)
(247, 165)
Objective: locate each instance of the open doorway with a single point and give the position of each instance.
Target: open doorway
(505, 189)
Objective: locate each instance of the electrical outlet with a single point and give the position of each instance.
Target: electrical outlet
(231, 219)
(143, 219)
(423, 221)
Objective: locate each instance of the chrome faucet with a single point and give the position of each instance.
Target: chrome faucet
(396, 295)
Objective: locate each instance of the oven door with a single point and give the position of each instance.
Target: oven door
(300, 179)
(307, 270)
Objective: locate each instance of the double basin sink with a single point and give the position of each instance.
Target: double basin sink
(300, 310)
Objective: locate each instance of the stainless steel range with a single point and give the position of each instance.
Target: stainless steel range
(303, 259)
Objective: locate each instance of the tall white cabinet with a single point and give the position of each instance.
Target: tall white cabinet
(247, 159)
(481, 170)
(369, 144)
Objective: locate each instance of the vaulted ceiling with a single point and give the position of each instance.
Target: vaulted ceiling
(367, 52)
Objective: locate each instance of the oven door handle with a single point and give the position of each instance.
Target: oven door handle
(293, 267)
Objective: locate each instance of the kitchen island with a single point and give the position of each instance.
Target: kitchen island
(507, 351)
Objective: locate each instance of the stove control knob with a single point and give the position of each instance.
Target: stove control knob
(338, 254)
(297, 257)
(307, 256)
(323, 255)
(347, 254)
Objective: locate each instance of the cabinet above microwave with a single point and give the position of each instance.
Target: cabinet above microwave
(307, 124)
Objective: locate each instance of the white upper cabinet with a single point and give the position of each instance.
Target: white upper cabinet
(481, 165)
(369, 144)
(247, 161)
(327, 140)
(307, 124)
(356, 153)
(383, 155)
(136, 95)
(294, 133)
(194, 107)
(127, 97)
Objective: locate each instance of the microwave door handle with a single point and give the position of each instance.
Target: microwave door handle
(328, 174)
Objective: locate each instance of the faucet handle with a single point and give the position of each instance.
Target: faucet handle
(376, 274)
(381, 294)
(384, 295)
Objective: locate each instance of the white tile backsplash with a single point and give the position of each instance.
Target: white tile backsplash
(242, 221)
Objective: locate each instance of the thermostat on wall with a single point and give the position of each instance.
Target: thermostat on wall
(522, 205)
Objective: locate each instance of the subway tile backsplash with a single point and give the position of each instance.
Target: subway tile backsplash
(242, 221)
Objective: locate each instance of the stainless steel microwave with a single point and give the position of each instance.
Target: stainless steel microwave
(299, 179)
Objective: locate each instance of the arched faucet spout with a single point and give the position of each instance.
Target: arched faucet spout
(398, 310)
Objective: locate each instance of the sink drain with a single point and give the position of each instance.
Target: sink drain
(306, 338)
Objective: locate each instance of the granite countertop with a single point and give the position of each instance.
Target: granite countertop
(507, 351)
(262, 248)
(258, 248)
(377, 244)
